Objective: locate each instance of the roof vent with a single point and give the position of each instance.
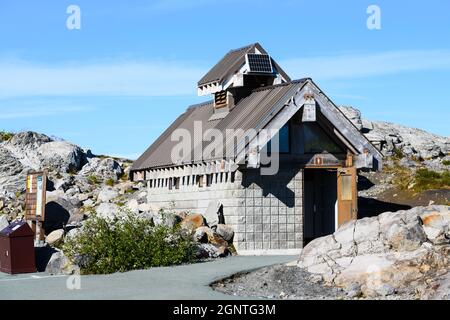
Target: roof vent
(259, 63)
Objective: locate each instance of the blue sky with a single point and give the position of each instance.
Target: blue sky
(115, 84)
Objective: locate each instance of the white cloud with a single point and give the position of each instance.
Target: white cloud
(122, 78)
(170, 78)
(348, 66)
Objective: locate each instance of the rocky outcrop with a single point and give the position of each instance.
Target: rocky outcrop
(393, 139)
(103, 169)
(403, 252)
(38, 152)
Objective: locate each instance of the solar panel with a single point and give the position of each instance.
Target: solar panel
(260, 63)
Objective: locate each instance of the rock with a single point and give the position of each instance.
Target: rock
(225, 231)
(436, 225)
(167, 219)
(107, 194)
(219, 243)
(64, 183)
(61, 156)
(107, 211)
(211, 213)
(385, 254)
(206, 250)
(3, 221)
(354, 115)
(192, 222)
(60, 264)
(83, 196)
(11, 173)
(133, 206)
(353, 290)
(104, 169)
(55, 237)
(202, 234)
(411, 142)
(89, 203)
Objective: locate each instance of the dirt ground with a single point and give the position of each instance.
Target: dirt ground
(277, 282)
(284, 283)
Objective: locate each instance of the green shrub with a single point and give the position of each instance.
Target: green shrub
(428, 180)
(446, 162)
(128, 243)
(398, 154)
(93, 180)
(110, 182)
(5, 136)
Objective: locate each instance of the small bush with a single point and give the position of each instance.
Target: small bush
(398, 154)
(5, 136)
(446, 162)
(124, 177)
(128, 243)
(93, 180)
(428, 180)
(110, 182)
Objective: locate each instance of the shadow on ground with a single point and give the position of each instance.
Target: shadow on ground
(368, 207)
(43, 255)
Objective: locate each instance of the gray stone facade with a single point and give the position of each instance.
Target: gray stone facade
(266, 212)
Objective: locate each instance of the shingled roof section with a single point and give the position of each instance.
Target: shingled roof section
(232, 62)
(249, 113)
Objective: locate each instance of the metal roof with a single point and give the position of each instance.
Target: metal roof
(250, 113)
(232, 62)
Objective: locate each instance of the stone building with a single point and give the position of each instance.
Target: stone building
(281, 158)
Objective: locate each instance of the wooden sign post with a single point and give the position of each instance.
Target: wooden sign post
(35, 201)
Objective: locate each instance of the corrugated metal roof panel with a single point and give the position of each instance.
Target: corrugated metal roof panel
(250, 113)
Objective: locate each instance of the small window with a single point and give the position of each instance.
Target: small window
(346, 188)
(176, 183)
(316, 140)
(200, 181)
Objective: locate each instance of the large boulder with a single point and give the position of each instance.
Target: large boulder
(225, 231)
(37, 151)
(55, 237)
(108, 211)
(12, 174)
(61, 264)
(192, 222)
(384, 255)
(102, 168)
(353, 114)
(61, 156)
(107, 194)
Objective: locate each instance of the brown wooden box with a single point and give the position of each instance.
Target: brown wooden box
(17, 249)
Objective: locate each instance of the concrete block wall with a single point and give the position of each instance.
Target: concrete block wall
(272, 218)
(266, 212)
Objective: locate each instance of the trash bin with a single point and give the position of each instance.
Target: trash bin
(17, 249)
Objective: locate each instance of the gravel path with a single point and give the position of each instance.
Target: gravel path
(277, 282)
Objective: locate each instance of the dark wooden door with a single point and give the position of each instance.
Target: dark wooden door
(320, 203)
